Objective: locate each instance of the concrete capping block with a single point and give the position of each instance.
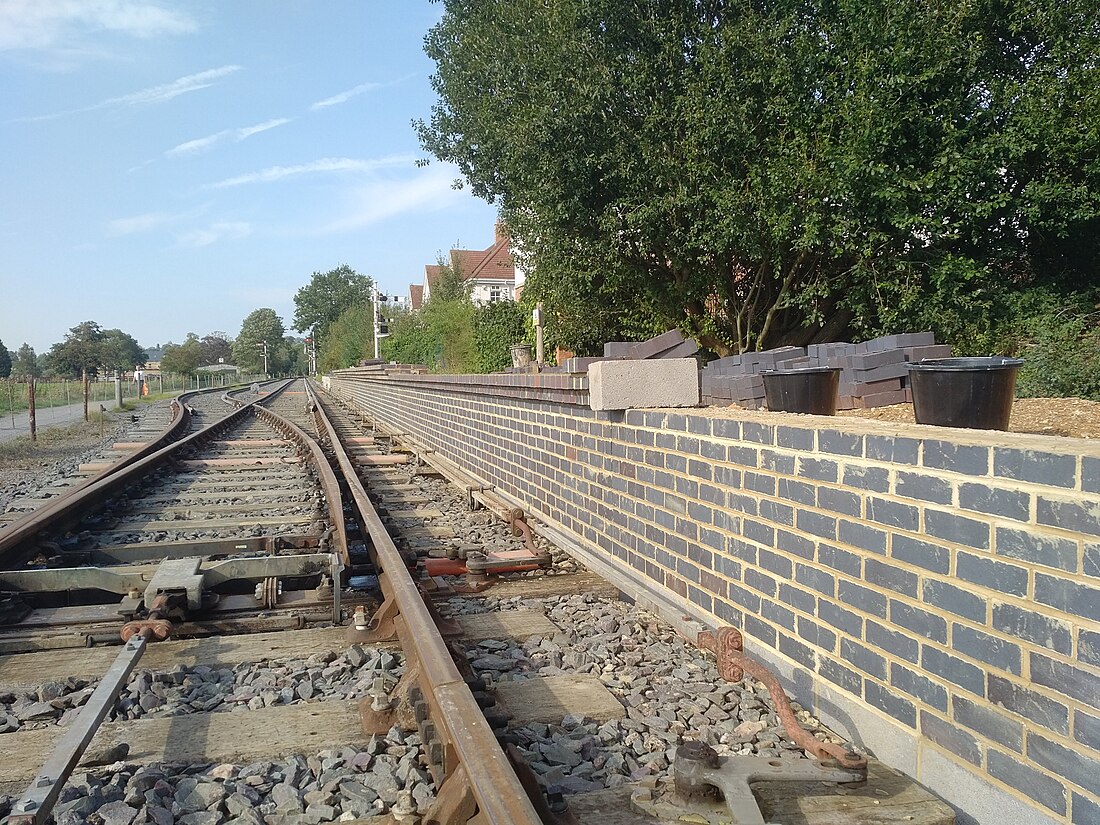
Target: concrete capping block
(624, 385)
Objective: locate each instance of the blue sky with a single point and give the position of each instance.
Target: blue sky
(168, 167)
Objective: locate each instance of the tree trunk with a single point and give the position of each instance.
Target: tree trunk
(30, 409)
(84, 381)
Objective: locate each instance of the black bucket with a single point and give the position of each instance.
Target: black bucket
(810, 390)
(964, 392)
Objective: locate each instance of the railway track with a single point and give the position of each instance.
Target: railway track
(479, 676)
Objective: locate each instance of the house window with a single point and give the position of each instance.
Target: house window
(495, 294)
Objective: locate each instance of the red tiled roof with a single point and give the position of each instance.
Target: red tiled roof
(416, 295)
(431, 275)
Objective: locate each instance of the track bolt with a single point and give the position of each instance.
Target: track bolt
(27, 805)
(379, 700)
(404, 809)
(360, 619)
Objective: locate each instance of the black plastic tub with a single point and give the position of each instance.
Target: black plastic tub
(810, 390)
(964, 392)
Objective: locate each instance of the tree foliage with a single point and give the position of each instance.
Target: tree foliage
(328, 294)
(80, 352)
(5, 361)
(441, 334)
(349, 339)
(217, 348)
(496, 328)
(262, 326)
(184, 358)
(121, 351)
(25, 364)
(761, 174)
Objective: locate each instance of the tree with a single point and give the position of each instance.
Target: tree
(350, 338)
(5, 361)
(26, 363)
(121, 352)
(217, 348)
(787, 172)
(261, 331)
(496, 328)
(318, 304)
(184, 358)
(81, 352)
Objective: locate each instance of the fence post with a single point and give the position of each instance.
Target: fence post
(30, 409)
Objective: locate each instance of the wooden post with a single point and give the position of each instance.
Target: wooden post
(30, 409)
(84, 381)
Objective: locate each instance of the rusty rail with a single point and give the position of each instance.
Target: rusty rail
(477, 773)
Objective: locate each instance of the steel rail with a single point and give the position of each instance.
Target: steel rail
(500, 797)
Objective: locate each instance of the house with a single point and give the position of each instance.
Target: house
(489, 273)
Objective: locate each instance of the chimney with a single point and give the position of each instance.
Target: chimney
(500, 232)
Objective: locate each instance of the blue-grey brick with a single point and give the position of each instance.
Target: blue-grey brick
(839, 501)
(893, 449)
(676, 462)
(817, 635)
(1090, 565)
(1032, 626)
(817, 524)
(820, 580)
(867, 478)
(743, 503)
(728, 613)
(819, 469)
(953, 669)
(743, 456)
(1028, 703)
(1041, 468)
(845, 620)
(758, 532)
(1090, 474)
(1068, 596)
(947, 736)
(760, 483)
(1080, 516)
(779, 463)
(838, 443)
(761, 581)
(996, 575)
(1088, 647)
(726, 428)
(757, 432)
(777, 564)
(699, 469)
(920, 686)
(714, 450)
(795, 438)
(712, 539)
(1026, 545)
(867, 600)
(990, 722)
(891, 641)
(839, 675)
(886, 574)
(1041, 787)
(920, 553)
(801, 653)
(992, 650)
(727, 521)
(958, 458)
(698, 424)
(954, 599)
(841, 560)
(1079, 768)
(777, 614)
(1067, 679)
(744, 597)
(741, 549)
(921, 622)
(777, 512)
(1085, 811)
(863, 658)
(893, 514)
(759, 630)
(886, 700)
(862, 536)
(958, 529)
(798, 491)
(995, 501)
(797, 598)
(925, 488)
(1086, 729)
(727, 567)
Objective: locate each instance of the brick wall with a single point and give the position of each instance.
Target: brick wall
(934, 594)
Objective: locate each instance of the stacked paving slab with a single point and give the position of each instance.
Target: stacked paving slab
(873, 373)
(671, 344)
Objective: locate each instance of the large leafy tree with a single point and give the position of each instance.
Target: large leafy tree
(184, 358)
(262, 330)
(120, 351)
(217, 348)
(777, 173)
(25, 364)
(5, 361)
(80, 353)
(318, 304)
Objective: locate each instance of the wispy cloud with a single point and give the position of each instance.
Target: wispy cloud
(429, 190)
(225, 231)
(47, 24)
(153, 94)
(193, 147)
(138, 223)
(344, 97)
(322, 166)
